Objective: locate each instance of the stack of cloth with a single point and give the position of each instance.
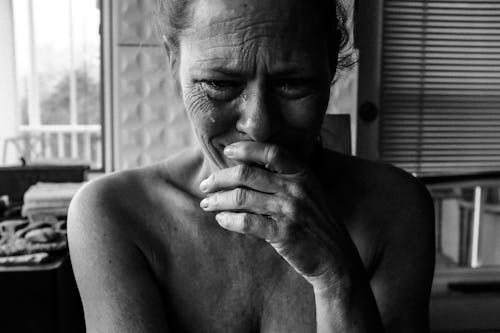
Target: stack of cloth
(41, 235)
(28, 243)
(50, 199)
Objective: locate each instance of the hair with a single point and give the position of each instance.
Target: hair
(173, 18)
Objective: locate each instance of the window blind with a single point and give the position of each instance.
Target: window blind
(440, 89)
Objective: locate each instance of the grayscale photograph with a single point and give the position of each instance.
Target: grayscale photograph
(249, 166)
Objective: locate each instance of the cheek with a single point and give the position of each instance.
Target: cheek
(208, 118)
(306, 114)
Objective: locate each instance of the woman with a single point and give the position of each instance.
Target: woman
(258, 228)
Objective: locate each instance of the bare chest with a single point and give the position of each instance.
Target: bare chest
(213, 280)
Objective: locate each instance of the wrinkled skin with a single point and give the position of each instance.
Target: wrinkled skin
(257, 229)
(268, 80)
(242, 87)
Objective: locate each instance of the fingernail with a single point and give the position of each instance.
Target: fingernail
(229, 151)
(220, 217)
(204, 203)
(204, 185)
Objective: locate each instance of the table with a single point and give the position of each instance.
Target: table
(41, 298)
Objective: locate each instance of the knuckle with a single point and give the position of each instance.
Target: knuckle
(243, 172)
(214, 200)
(297, 190)
(245, 223)
(271, 206)
(240, 196)
(292, 208)
(289, 209)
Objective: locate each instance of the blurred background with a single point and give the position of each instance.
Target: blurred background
(85, 90)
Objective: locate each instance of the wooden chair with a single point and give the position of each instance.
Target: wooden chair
(28, 147)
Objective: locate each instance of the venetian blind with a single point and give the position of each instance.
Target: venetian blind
(440, 93)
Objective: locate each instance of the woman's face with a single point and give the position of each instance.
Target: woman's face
(255, 70)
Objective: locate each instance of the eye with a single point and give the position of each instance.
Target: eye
(295, 88)
(222, 90)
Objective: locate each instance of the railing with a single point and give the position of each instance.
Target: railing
(60, 143)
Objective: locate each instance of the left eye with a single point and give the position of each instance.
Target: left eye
(294, 88)
(221, 89)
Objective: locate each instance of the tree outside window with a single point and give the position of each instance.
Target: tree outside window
(58, 83)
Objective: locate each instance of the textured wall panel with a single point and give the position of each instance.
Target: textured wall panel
(151, 122)
(136, 22)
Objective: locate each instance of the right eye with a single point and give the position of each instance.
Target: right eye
(222, 90)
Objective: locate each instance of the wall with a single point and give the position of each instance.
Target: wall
(149, 119)
(369, 41)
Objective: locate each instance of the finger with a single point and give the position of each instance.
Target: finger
(240, 199)
(272, 156)
(242, 175)
(252, 224)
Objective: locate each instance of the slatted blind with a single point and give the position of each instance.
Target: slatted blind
(440, 95)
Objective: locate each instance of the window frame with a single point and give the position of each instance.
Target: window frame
(105, 83)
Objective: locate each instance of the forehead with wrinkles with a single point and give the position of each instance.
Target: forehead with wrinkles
(218, 14)
(227, 32)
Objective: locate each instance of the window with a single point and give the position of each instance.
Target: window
(440, 93)
(57, 115)
(440, 99)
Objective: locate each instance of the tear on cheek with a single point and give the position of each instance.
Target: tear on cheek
(209, 119)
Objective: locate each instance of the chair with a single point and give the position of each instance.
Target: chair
(29, 147)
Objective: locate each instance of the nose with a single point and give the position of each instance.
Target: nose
(256, 116)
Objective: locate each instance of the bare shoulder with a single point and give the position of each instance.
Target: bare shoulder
(109, 268)
(404, 208)
(127, 209)
(128, 194)
(394, 233)
(391, 215)
(110, 198)
(392, 196)
(111, 224)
